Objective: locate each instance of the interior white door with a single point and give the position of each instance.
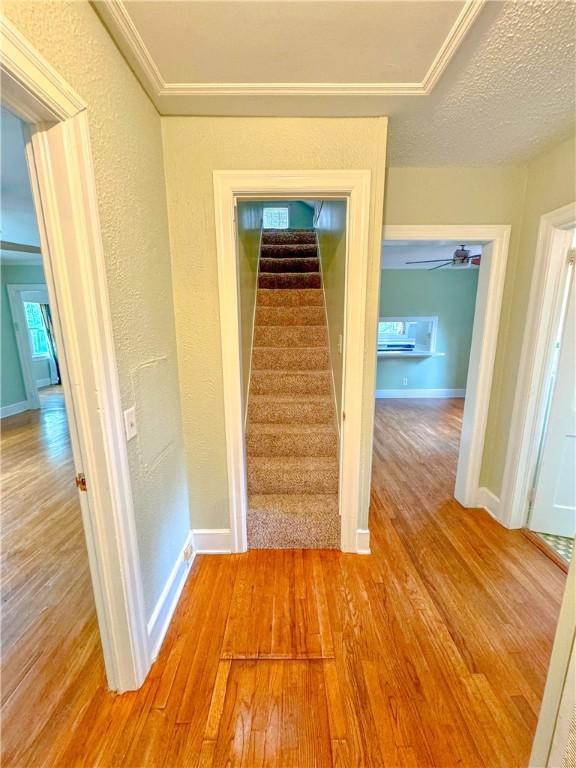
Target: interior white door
(554, 504)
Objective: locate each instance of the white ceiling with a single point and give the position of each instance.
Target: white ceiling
(18, 218)
(465, 82)
(395, 253)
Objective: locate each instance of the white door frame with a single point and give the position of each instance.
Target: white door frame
(63, 186)
(492, 273)
(354, 187)
(542, 322)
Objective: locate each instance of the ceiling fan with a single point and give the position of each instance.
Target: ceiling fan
(461, 258)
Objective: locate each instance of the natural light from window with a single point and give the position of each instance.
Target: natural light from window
(36, 329)
(275, 218)
(407, 335)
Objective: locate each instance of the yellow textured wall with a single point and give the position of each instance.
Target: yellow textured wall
(331, 229)
(193, 149)
(249, 224)
(126, 141)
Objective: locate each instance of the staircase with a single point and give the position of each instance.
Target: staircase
(291, 437)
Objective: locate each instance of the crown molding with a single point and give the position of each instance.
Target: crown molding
(115, 15)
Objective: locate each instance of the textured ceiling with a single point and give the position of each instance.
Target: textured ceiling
(508, 93)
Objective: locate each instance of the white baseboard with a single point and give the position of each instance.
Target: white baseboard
(489, 501)
(212, 541)
(410, 393)
(12, 410)
(362, 541)
(164, 609)
(47, 382)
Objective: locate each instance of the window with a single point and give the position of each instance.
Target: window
(275, 218)
(36, 329)
(407, 335)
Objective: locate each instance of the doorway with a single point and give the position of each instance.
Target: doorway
(488, 245)
(357, 413)
(50, 635)
(59, 161)
(292, 280)
(552, 497)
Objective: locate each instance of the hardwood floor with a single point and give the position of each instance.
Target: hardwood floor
(432, 651)
(49, 638)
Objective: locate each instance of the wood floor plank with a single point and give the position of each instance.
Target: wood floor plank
(430, 652)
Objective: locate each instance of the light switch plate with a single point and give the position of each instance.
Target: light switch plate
(130, 426)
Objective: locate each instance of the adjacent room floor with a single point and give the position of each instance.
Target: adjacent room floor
(50, 641)
(430, 652)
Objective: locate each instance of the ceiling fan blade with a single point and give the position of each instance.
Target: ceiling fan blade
(428, 261)
(440, 266)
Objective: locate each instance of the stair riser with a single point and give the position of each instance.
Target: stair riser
(287, 251)
(310, 297)
(294, 237)
(291, 444)
(284, 336)
(290, 412)
(292, 280)
(282, 266)
(290, 316)
(281, 383)
(269, 358)
(293, 481)
(267, 531)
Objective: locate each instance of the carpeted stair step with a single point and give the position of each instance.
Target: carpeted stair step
(292, 474)
(293, 521)
(288, 236)
(299, 359)
(290, 266)
(286, 251)
(290, 315)
(291, 440)
(290, 336)
(290, 383)
(290, 409)
(289, 280)
(307, 297)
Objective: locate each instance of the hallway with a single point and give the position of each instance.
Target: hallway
(430, 652)
(50, 642)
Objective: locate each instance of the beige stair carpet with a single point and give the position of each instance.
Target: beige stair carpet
(291, 439)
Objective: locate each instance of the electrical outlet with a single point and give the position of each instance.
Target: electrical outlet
(130, 426)
(404, 382)
(188, 552)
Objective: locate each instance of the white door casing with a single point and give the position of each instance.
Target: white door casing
(63, 186)
(554, 502)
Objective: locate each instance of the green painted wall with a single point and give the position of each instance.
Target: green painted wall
(249, 224)
(331, 230)
(301, 216)
(451, 295)
(11, 374)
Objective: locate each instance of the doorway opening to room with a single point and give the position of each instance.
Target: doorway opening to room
(292, 268)
(427, 307)
(314, 365)
(440, 298)
(48, 611)
(552, 494)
